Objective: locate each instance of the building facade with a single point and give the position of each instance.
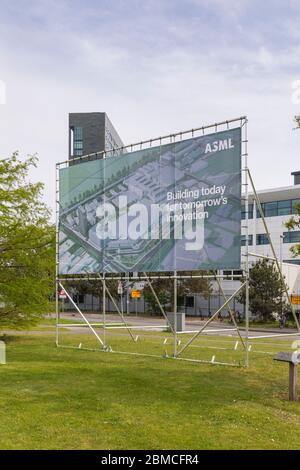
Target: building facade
(91, 133)
(279, 205)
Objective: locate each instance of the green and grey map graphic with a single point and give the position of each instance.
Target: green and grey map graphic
(171, 207)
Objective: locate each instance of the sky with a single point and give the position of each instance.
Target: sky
(155, 67)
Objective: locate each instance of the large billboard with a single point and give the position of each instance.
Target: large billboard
(171, 207)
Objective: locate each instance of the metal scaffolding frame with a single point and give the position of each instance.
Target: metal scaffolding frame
(104, 278)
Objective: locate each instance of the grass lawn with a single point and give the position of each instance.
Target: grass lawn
(59, 398)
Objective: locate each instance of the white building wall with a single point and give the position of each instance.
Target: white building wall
(276, 227)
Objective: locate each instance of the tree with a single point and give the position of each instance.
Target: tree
(265, 290)
(164, 290)
(292, 224)
(93, 287)
(27, 246)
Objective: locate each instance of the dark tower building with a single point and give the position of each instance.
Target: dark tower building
(296, 175)
(91, 133)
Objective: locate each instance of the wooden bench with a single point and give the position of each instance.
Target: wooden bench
(293, 360)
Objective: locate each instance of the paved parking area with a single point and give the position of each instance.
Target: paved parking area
(152, 323)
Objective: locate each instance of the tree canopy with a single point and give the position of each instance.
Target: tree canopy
(265, 290)
(27, 246)
(164, 290)
(292, 224)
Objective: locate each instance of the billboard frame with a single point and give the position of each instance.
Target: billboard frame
(105, 278)
(171, 138)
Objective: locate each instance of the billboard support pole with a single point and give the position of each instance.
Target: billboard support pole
(230, 312)
(245, 154)
(117, 308)
(57, 254)
(104, 279)
(104, 307)
(210, 320)
(84, 317)
(104, 286)
(159, 303)
(175, 313)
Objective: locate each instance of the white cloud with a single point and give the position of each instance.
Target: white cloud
(152, 74)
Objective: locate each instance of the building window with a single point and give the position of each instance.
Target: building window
(262, 239)
(291, 237)
(292, 261)
(276, 208)
(189, 301)
(77, 141)
(78, 145)
(285, 207)
(295, 202)
(257, 211)
(77, 133)
(233, 273)
(250, 212)
(227, 273)
(78, 298)
(270, 209)
(243, 240)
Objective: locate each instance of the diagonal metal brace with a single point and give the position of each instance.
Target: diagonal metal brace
(231, 313)
(159, 304)
(210, 320)
(117, 308)
(83, 316)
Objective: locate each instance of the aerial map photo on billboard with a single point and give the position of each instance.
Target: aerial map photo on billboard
(171, 207)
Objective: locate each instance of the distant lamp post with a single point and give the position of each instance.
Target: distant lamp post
(280, 254)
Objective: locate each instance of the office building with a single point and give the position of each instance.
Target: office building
(91, 133)
(278, 205)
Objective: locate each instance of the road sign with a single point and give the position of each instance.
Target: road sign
(139, 285)
(295, 299)
(136, 294)
(62, 294)
(120, 288)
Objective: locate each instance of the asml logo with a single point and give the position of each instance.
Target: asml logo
(219, 145)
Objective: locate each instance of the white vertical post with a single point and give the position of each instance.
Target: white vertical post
(57, 254)
(2, 352)
(247, 245)
(104, 308)
(127, 295)
(175, 313)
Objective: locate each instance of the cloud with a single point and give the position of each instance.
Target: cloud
(155, 67)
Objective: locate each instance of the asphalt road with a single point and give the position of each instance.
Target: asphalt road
(149, 323)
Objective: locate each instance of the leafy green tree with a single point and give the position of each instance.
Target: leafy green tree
(265, 290)
(94, 288)
(27, 246)
(292, 224)
(164, 289)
